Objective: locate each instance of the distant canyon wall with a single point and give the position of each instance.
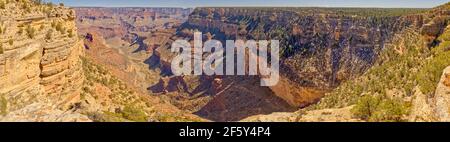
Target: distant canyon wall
(320, 47)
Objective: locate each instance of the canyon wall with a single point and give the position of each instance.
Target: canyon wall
(39, 58)
(320, 47)
(411, 73)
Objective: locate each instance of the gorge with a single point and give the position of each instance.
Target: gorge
(113, 64)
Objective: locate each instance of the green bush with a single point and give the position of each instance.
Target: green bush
(53, 24)
(105, 117)
(380, 109)
(366, 107)
(392, 71)
(59, 27)
(134, 114)
(20, 31)
(70, 31)
(50, 4)
(2, 5)
(3, 105)
(30, 31)
(431, 72)
(11, 42)
(26, 7)
(49, 34)
(391, 111)
(1, 49)
(41, 27)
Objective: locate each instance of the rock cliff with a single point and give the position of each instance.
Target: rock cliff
(39, 58)
(320, 49)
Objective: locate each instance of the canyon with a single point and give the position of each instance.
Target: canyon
(114, 64)
(322, 48)
(39, 64)
(46, 76)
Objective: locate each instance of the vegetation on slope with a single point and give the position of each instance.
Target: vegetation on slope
(431, 72)
(134, 106)
(380, 108)
(402, 67)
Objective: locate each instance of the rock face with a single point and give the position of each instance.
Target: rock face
(435, 24)
(435, 108)
(320, 48)
(422, 108)
(442, 95)
(40, 60)
(123, 38)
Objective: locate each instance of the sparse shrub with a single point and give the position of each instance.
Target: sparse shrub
(41, 27)
(87, 90)
(3, 105)
(63, 31)
(59, 26)
(50, 4)
(130, 113)
(30, 31)
(47, 11)
(1, 48)
(2, 5)
(11, 42)
(53, 24)
(20, 31)
(70, 31)
(390, 110)
(26, 7)
(134, 114)
(104, 81)
(49, 34)
(378, 108)
(366, 107)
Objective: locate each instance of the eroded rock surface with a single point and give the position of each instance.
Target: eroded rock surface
(40, 57)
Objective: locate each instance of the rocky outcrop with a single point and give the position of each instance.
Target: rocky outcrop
(40, 59)
(422, 108)
(39, 112)
(434, 108)
(325, 115)
(435, 23)
(442, 96)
